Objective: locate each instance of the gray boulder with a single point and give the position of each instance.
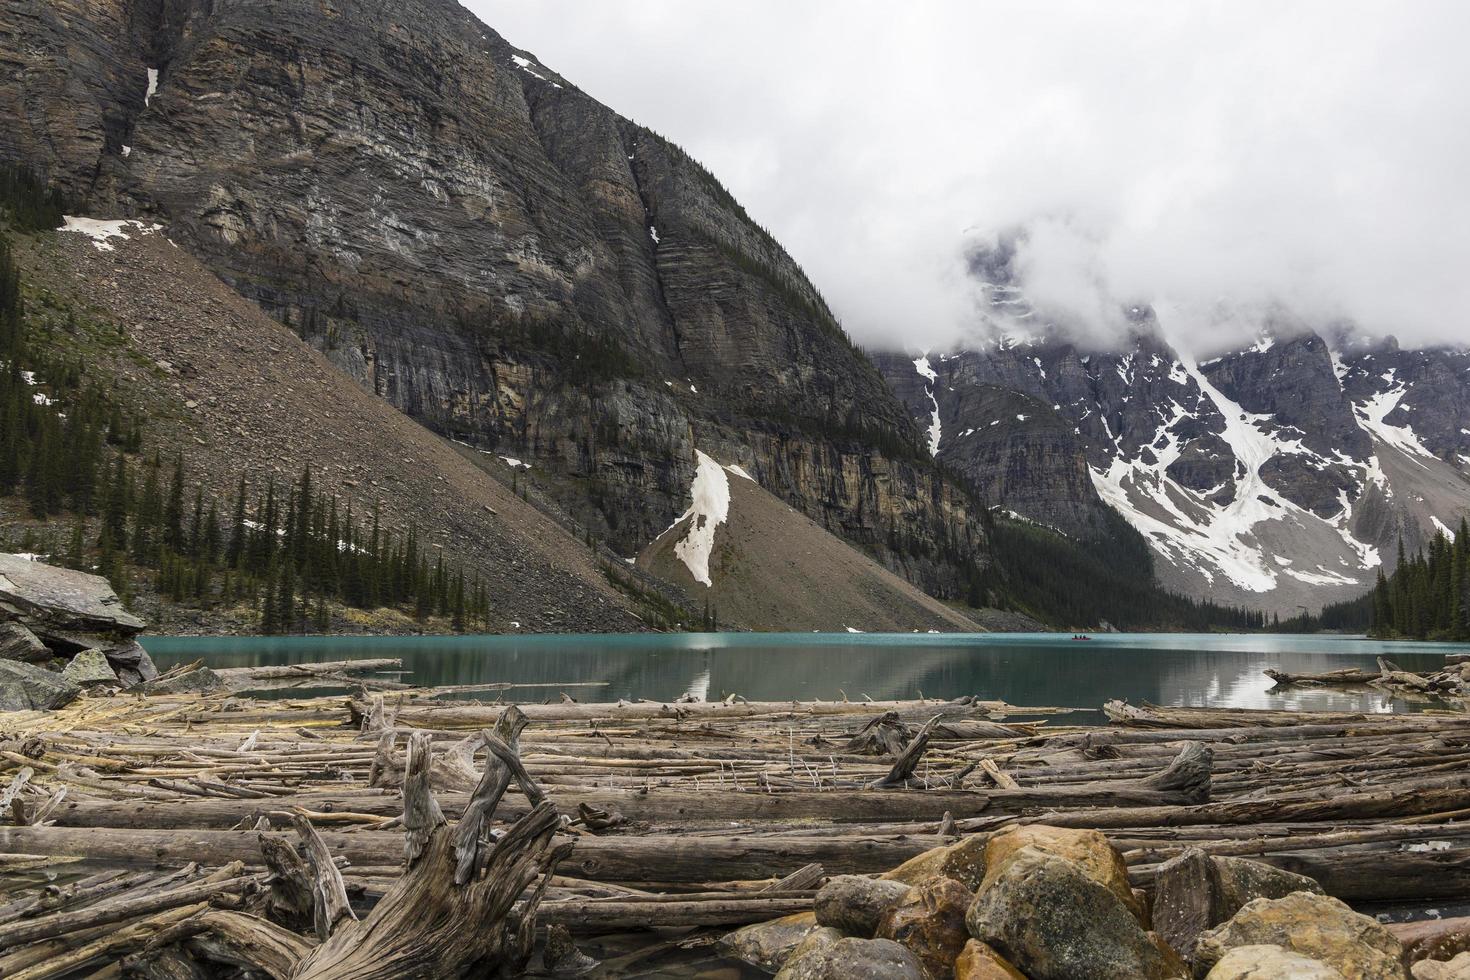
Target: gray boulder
(132, 663)
(1196, 892)
(89, 667)
(819, 938)
(19, 643)
(854, 959)
(1053, 921)
(853, 904)
(200, 680)
(63, 599)
(25, 687)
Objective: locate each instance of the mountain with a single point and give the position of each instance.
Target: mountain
(1274, 476)
(235, 394)
(759, 563)
(474, 239)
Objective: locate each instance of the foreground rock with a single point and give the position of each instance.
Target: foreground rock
(1054, 921)
(19, 643)
(62, 600)
(1195, 892)
(930, 921)
(200, 680)
(768, 945)
(854, 959)
(964, 861)
(1088, 850)
(1270, 963)
(978, 961)
(49, 615)
(853, 904)
(132, 663)
(88, 668)
(26, 687)
(1432, 939)
(1455, 969)
(1316, 926)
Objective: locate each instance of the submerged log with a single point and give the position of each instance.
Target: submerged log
(1348, 676)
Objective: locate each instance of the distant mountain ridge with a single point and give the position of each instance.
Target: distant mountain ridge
(1276, 476)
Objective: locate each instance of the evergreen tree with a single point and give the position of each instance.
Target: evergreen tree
(235, 553)
(286, 598)
(76, 552)
(173, 510)
(119, 502)
(270, 610)
(195, 543)
(458, 603)
(148, 517)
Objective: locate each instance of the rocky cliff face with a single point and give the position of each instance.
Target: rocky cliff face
(481, 243)
(1002, 434)
(1274, 476)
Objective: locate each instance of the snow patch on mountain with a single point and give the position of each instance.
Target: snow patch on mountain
(1186, 526)
(710, 508)
(1373, 412)
(921, 364)
(102, 232)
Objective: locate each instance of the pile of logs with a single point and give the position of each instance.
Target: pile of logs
(377, 835)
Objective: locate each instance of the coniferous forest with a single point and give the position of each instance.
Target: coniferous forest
(78, 459)
(1427, 597)
(1108, 579)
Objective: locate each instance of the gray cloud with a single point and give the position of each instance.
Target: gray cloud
(1311, 155)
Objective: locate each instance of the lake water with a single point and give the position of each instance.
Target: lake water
(1022, 669)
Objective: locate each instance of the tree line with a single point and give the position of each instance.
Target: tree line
(71, 450)
(1427, 597)
(1106, 577)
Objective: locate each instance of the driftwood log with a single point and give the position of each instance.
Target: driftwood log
(318, 836)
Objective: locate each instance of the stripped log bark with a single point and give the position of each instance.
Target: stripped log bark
(427, 925)
(236, 675)
(244, 942)
(125, 906)
(459, 715)
(904, 766)
(1185, 781)
(329, 905)
(1346, 677)
(884, 735)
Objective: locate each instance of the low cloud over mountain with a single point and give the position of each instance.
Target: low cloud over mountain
(1259, 155)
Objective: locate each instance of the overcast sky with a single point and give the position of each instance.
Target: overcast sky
(1188, 154)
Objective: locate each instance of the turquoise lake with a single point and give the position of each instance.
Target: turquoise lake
(1023, 669)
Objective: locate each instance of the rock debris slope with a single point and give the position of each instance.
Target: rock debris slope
(236, 393)
(757, 562)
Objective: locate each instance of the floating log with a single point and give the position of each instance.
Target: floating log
(288, 672)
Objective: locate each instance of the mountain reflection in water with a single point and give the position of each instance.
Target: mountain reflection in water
(1022, 669)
